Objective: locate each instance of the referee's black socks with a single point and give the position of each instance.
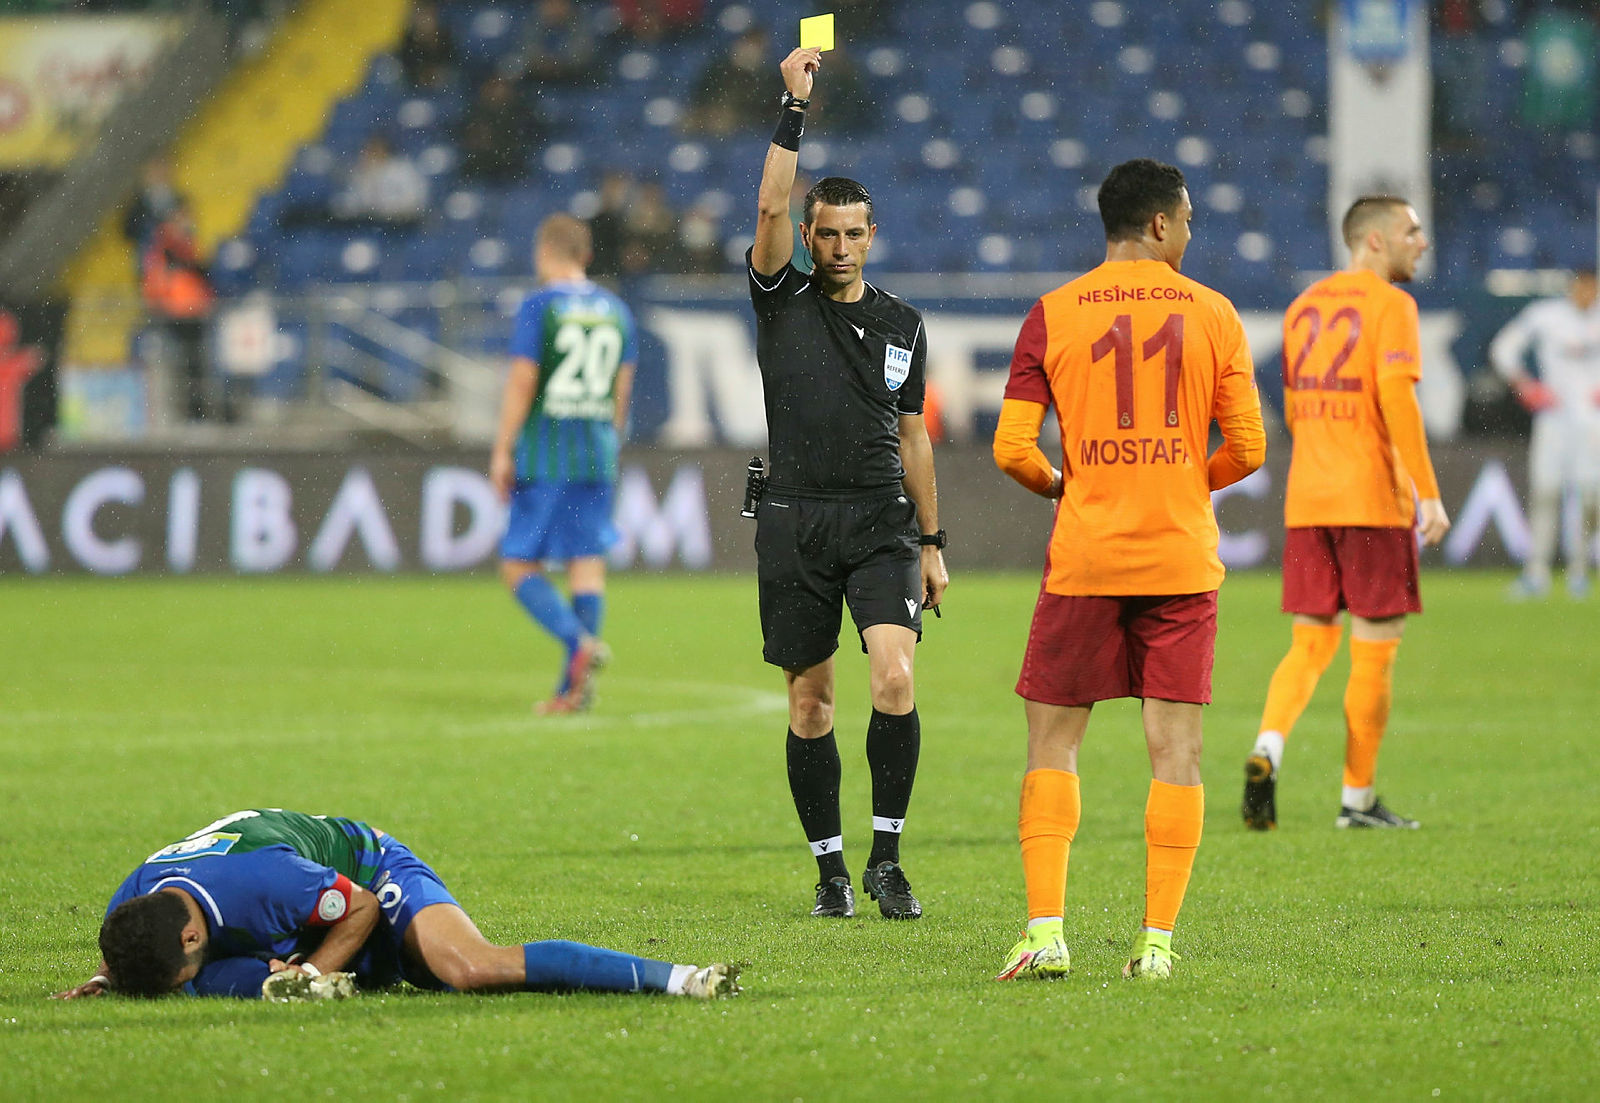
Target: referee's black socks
(814, 783)
(893, 743)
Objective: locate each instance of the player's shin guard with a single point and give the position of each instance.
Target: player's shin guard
(1366, 708)
(1311, 650)
(893, 746)
(559, 964)
(1173, 818)
(814, 771)
(1046, 824)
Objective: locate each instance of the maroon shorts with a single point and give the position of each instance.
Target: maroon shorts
(1370, 571)
(1087, 649)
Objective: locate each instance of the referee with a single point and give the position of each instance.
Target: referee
(850, 512)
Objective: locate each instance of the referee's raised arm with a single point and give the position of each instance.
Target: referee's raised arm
(774, 235)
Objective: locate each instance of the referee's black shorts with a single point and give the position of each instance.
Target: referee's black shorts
(812, 553)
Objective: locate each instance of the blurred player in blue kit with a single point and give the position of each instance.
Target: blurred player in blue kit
(573, 351)
(291, 906)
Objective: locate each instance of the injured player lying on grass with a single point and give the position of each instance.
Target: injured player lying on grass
(291, 906)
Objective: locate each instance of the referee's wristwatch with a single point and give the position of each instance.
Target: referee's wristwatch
(932, 539)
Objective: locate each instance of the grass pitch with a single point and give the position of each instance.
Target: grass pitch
(1453, 962)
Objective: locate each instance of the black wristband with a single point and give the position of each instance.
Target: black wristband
(932, 539)
(791, 124)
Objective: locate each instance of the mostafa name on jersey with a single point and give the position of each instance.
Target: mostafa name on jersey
(1136, 295)
(1131, 450)
(201, 846)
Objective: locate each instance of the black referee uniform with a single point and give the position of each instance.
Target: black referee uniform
(835, 522)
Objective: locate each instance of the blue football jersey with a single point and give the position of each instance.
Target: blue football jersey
(265, 879)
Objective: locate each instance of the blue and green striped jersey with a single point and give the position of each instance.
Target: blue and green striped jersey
(580, 335)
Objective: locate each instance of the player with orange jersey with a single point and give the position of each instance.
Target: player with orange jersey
(1138, 360)
(1350, 365)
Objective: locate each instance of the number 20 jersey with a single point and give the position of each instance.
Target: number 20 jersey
(580, 335)
(1137, 360)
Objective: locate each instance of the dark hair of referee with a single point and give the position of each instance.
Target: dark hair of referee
(837, 191)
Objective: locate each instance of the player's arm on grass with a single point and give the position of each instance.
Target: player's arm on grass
(345, 935)
(1017, 451)
(623, 396)
(1397, 398)
(97, 985)
(1027, 398)
(521, 385)
(1238, 412)
(1399, 370)
(774, 243)
(916, 456)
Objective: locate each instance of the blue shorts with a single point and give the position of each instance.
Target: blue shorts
(404, 885)
(559, 521)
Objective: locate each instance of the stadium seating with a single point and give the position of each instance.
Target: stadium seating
(984, 143)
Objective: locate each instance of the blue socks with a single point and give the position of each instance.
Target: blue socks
(545, 605)
(589, 608)
(561, 964)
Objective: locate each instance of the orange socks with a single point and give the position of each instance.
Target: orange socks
(1046, 823)
(1173, 818)
(1311, 650)
(1366, 708)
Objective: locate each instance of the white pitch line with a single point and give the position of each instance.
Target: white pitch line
(748, 702)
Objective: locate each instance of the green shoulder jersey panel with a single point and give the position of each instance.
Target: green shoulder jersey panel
(349, 846)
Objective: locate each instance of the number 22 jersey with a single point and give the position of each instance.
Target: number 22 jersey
(1342, 338)
(1137, 360)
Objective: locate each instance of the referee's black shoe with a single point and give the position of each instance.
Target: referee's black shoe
(886, 883)
(835, 899)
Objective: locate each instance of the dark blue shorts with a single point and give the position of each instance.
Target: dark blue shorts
(404, 885)
(558, 521)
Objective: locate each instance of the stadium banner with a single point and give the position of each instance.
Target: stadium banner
(115, 514)
(60, 76)
(707, 390)
(1380, 100)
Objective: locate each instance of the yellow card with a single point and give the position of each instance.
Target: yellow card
(817, 31)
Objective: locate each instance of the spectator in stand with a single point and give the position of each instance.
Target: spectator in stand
(608, 227)
(155, 200)
(497, 134)
(385, 190)
(653, 20)
(649, 232)
(1461, 51)
(558, 46)
(845, 104)
(736, 92)
(178, 294)
(427, 52)
(700, 242)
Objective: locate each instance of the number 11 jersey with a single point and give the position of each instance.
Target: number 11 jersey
(1137, 360)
